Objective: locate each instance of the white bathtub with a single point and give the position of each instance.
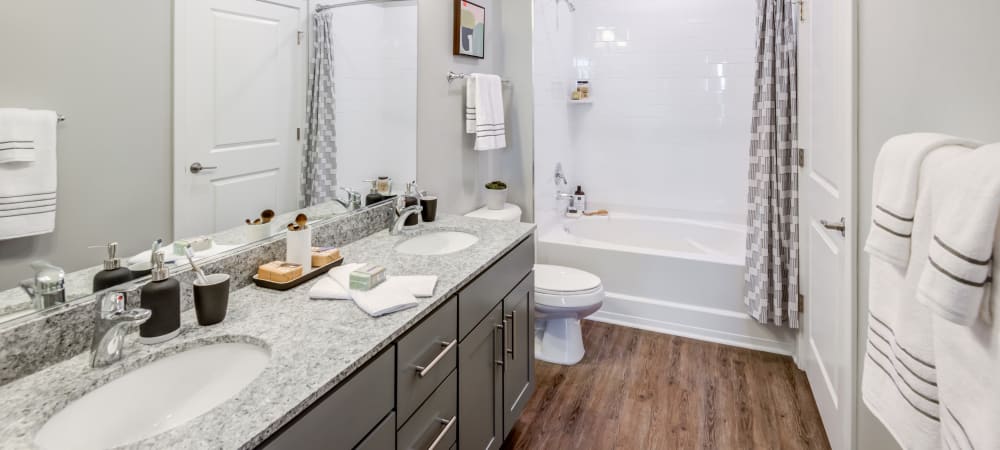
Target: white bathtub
(675, 275)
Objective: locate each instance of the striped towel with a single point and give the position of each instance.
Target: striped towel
(17, 143)
(28, 189)
(892, 211)
(957, 277)
(484, 115)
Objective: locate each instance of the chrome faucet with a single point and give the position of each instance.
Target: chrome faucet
(402, 213)
(48, 288)
(111, 321)
(353, 202)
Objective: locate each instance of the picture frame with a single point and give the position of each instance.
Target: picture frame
(469, 30)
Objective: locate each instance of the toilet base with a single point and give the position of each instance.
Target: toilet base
(559, 341)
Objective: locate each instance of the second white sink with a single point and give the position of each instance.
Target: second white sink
(155, 398)
(437, 243)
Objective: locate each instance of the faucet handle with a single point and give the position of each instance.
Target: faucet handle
(48, 287)
(114, 301)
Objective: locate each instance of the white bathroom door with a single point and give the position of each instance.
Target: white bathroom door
(239, 94)
(827, 124)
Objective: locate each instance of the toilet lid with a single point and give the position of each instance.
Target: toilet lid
(560, 279)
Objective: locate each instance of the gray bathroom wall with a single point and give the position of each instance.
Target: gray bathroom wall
(106, 66)
(925, 65)
(446, 163)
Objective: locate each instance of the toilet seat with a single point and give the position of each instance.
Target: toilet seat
(555, 280)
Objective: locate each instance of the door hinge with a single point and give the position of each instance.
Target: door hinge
(802, 303)
(298, 134)
(802, 9)
(298, 38)
(802, 157)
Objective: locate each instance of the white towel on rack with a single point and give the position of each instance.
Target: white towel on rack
(18, 127)
(958, 275)
(892, 212)
(28, 188)
(484, 115)
(900, 381)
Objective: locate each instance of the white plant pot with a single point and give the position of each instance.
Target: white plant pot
(496, 198)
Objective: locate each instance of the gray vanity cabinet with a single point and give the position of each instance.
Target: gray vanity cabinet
(459, 379)
(480, 384)
(519, 356)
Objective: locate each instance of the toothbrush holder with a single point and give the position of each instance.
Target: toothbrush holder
(258, 232)
(299, 248)
(211, 299)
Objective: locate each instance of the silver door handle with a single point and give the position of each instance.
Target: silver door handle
(502, 362)
(447, 427)
(835, 226)
(423, 371)
(197, 167)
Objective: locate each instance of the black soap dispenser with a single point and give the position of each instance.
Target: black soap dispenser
(113, 273)
(373, 195)
(162, 296)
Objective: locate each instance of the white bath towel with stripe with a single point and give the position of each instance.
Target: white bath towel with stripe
(899, 382)
(17, 129)
(484, 114)
(892, 211)
(28, 188)
(959, 269)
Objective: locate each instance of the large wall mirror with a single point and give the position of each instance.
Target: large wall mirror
(191, 121)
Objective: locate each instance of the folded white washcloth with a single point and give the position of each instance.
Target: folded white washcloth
(960, 261)
(897, 172)
(420, 286)
(388, 297)
(484, 114)
(27, 176)
(17, 134)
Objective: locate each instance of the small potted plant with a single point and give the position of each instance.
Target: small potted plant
(496, 194)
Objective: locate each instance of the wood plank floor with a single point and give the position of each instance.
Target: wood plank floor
(641, 390)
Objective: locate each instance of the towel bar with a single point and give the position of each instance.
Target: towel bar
(452, 76)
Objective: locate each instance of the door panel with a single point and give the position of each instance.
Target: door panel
(827, 133)
(518, 376)
(239, 100)
(480, 385)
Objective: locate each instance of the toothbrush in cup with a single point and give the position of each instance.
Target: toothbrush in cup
(197, 270)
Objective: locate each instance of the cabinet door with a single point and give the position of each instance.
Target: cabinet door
(480, 385)
(519, 350)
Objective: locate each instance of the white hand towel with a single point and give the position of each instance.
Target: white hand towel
(18, 128)
(388, 297)
(897, 172)
(484, 115)
(28, 189)
(420, 286)
(966, 200)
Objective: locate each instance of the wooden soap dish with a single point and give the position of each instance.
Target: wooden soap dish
(317, 271)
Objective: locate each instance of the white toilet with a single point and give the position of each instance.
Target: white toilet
(563, 296)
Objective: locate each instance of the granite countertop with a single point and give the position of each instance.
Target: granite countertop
(314, 345)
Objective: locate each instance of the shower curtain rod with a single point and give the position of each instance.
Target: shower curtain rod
(320, 8)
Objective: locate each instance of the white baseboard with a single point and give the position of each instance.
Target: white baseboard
(696, 322)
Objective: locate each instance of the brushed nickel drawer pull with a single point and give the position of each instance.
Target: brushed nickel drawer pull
(502, 362)
(423, 371)
(513, 333)
(447, 427)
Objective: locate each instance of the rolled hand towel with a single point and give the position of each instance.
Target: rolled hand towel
(897, 173)
(966, 203)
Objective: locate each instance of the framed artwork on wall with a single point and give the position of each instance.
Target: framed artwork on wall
(470, 29)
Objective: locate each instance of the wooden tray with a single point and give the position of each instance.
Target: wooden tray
(317, 271)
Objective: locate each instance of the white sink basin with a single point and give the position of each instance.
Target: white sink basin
(155, 398)
(438, 243)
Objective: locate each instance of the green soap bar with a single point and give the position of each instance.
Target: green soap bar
(366, 278)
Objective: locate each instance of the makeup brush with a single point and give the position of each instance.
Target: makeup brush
(197, 270)
(267, 215)
(301, 220)
(256, 221)
(249, 222)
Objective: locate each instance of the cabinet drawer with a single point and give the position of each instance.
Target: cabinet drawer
(424, 358)
(435, 424)
(483, 293)
(382, 437)
(343, 417)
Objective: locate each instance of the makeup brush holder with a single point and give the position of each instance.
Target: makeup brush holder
(299, 248)
(211, 299)
(258, 232)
